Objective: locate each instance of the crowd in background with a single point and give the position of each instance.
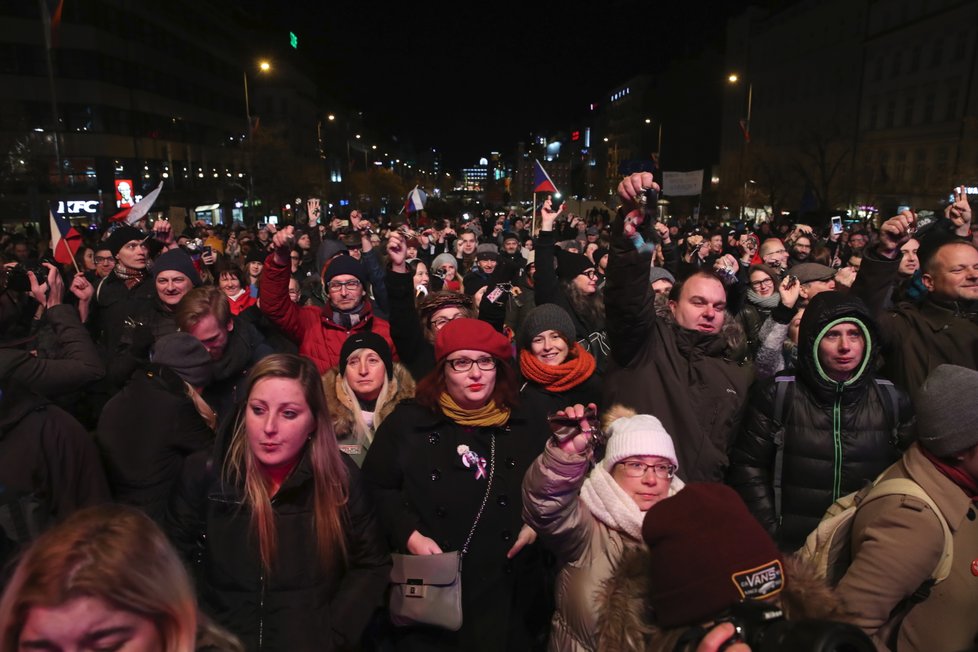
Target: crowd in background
(620, 422)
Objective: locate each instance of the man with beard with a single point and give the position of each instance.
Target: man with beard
(687, 365)
(511, 255)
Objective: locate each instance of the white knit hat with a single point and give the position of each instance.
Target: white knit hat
(641, 434)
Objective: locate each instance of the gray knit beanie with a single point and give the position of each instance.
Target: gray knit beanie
(947, 410)
(444, 259)
(546, 317)
(660, 273)
(184, 354)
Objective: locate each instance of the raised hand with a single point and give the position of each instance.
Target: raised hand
(959, 212)
(282, 245)
(895, 232)
(397, 252)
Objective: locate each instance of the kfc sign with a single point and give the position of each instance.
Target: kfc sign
(77, 207)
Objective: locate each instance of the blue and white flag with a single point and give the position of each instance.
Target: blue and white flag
(415, 200)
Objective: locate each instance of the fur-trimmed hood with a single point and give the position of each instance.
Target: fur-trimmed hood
(626, 622)
(731, 341)
(402, 387)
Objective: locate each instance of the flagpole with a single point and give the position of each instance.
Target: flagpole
(70, 255)
(533, 220)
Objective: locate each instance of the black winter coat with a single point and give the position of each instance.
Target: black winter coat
(547, 289)
(918, 337)
(144, 434)
(695, 383)
(49, 465)
(78, 363)
(298, 605)
(420, 483)
(539, 401)
(837, 436)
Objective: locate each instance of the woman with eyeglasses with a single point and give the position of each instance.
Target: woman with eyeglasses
(589, 520)
(762, 297)
(573, 286)
(462, 443)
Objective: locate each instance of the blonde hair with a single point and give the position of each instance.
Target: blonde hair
(364, 435)
(329, 472)
(112, 552)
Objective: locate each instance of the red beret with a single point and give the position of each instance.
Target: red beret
(472, 334)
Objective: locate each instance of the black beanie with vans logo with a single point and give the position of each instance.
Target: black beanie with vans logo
(707, 552)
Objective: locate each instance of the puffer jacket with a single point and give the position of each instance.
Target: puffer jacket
(319, 338)
(626, 624)
(340, 404)
(588, 550)
(695, 383)
(837, 436)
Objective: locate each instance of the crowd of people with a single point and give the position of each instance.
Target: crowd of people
(629, 430)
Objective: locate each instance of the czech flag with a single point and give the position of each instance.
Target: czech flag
(65, 240)
(415, 200)
(541, 180)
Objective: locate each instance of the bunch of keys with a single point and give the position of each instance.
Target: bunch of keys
(563, 428)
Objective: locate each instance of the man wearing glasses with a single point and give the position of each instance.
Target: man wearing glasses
(319, 331)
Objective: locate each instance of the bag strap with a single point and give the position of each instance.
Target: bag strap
(782, 384)
(485, 499)
(891, 407)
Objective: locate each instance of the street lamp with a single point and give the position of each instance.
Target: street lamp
(733, 78)
(264, 66)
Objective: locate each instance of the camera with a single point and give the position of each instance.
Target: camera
(764, 629)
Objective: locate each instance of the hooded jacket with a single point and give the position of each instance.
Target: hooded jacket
(627, 624)
(837, 435)
(340, 404)
(695, 383)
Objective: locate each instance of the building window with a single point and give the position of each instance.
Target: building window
(890, 113)
(878, 69)
(908, 109)
(937, 54)
(900, 167)
(896, 63)
(951, 109)
(961, 45)
(874, 115)
(928, 106)
(915, 58)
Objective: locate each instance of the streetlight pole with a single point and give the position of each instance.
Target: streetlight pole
(733, 79)
(263, 66)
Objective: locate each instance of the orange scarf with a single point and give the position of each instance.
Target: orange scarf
(562, 377)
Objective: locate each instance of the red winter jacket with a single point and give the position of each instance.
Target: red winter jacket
(319, 339)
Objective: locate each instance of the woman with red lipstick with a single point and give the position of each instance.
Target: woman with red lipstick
(557, 370)
(288, 553)
(432, 463)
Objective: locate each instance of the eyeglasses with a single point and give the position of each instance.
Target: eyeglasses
(104, 259)
(590, 273)
(441, 322)
(635, 469)
(464, 364)
(336, 286)
(757, 285)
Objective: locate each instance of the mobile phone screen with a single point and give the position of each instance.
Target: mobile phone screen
(836, 225)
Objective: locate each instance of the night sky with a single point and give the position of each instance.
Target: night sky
(473, 77)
